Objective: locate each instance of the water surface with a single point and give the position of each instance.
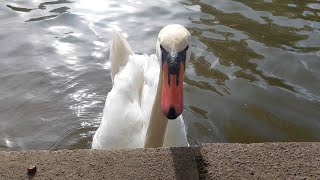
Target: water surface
(254, 74)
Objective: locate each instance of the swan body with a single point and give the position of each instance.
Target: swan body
(133, 116)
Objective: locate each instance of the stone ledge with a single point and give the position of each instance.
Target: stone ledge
(208, 161)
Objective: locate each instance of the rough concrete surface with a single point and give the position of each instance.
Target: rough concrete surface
(208, 161)
(260, 161)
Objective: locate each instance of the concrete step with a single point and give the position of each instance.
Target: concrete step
(207, 161)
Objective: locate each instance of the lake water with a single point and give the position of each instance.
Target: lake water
(254, 74)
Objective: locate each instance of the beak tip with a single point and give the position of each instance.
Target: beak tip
(172, 114)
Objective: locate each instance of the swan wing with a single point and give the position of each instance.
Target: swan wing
(119, 53)
(122, 121)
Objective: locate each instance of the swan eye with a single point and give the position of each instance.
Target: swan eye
(161, 47)
(185, 49)
(183, 52)
(164, 52)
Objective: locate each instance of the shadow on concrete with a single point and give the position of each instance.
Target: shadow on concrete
(187, 163)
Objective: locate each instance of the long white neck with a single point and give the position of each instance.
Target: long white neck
(158, 121)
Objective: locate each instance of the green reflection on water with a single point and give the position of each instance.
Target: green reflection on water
(278, 25)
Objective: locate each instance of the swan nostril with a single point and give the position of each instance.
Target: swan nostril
(173, 68)
(172, 113)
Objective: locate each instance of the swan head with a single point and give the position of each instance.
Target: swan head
(173, 51)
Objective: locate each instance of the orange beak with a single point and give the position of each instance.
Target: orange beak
(172, 92)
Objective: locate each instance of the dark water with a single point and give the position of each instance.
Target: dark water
(254, 74)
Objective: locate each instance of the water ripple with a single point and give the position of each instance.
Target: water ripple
(253, 76)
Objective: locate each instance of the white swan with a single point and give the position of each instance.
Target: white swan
(147, 90)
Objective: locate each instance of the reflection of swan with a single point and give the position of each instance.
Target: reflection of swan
(146, 92)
